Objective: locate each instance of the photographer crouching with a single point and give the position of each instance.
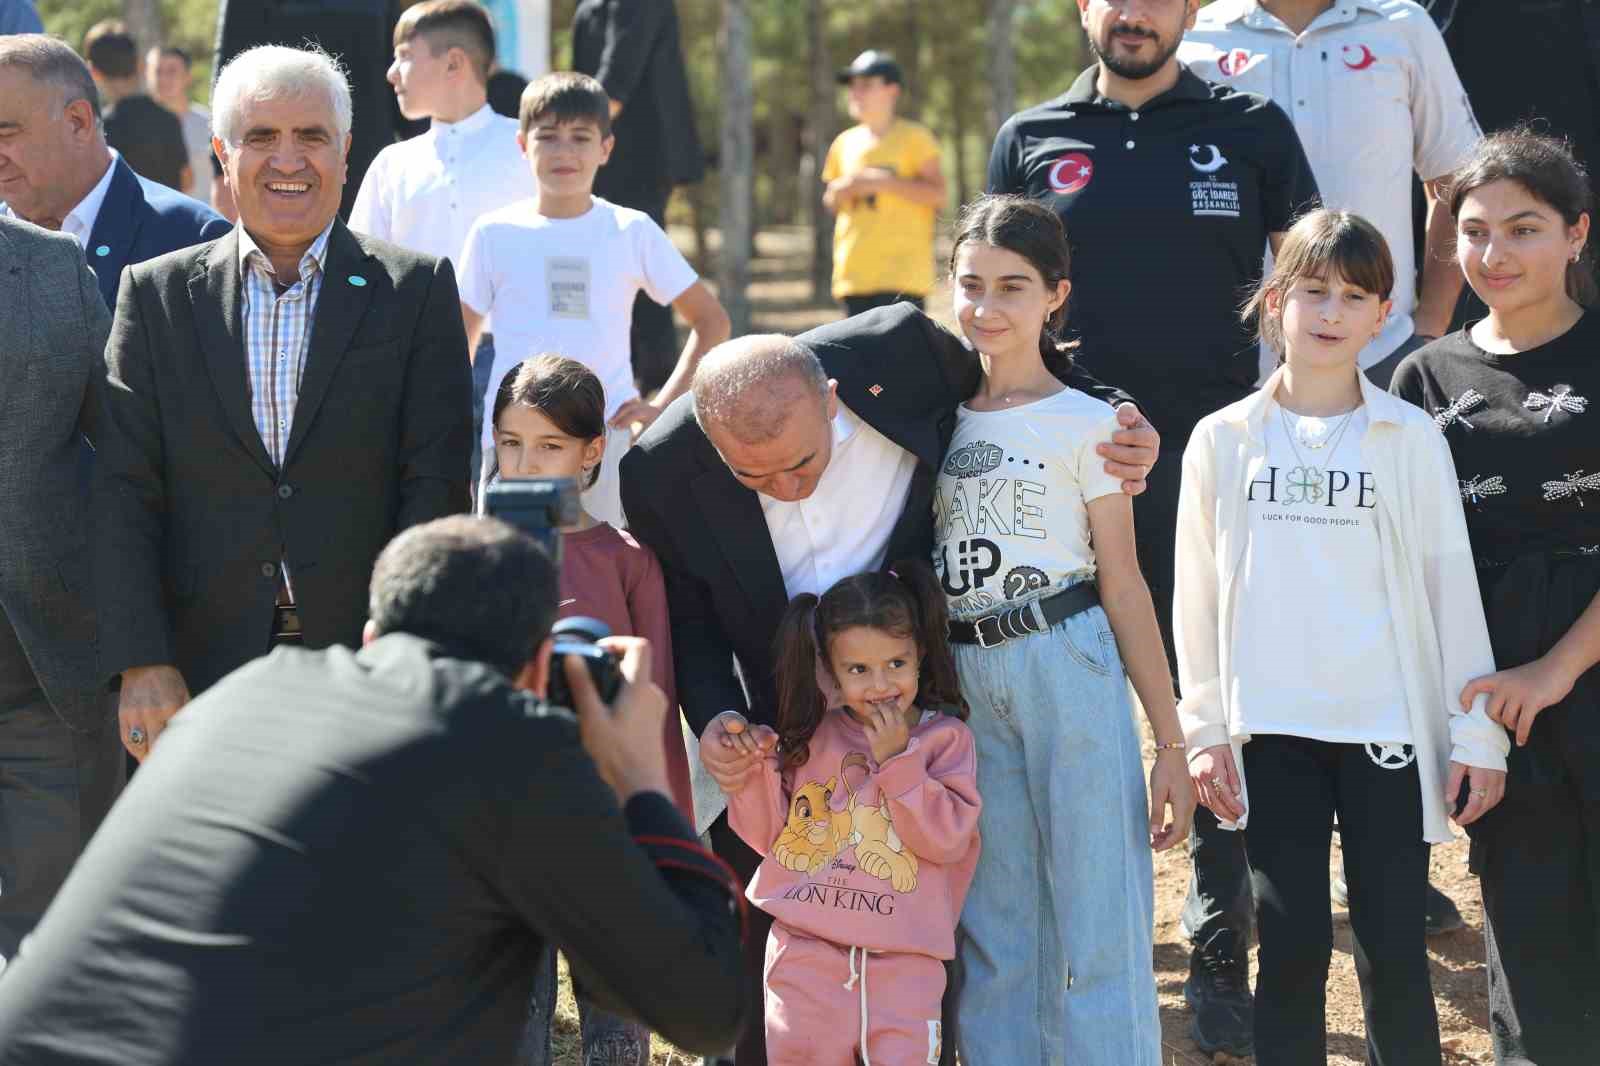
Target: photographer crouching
(358, 856)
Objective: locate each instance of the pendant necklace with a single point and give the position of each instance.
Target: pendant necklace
(1307, 481)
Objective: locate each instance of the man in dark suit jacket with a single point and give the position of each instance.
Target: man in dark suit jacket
(632, 48)
(279, 403)
(59, 756)
(358, 857)
(704, 512)
(61, 175)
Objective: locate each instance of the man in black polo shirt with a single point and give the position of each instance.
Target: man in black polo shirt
(1171, 189)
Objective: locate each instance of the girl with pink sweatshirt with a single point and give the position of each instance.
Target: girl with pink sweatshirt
(865, 806)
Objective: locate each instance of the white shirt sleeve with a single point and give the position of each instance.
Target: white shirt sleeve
(664, 274)
(1091, 467)
(475, 279)
(1444, 130)
(370, 213)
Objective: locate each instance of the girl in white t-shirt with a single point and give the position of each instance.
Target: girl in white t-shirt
(1326, 617)
(1034, 545)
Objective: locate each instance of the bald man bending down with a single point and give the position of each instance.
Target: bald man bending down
(792, 464)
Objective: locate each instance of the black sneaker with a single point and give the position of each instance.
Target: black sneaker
(1218, 991)
(1441, 915)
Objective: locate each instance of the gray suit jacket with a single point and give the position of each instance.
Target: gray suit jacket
(53, 328)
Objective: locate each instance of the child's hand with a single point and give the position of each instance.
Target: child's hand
(1170, 787)
(1518, 695)
(731, 749)
(887, 732)
(1217, 781)
(635, 411)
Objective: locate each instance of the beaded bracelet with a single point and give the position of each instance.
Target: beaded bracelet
(1174, 745)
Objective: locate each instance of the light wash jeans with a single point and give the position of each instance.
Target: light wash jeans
(1060, 919)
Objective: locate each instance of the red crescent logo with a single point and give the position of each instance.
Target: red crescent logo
(1070, 173)
(1234, 62)
(1364, 58)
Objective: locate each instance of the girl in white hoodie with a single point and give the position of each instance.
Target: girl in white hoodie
(1326, 619)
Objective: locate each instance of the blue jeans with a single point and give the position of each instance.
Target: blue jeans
(607, 1039)
(1059, 924)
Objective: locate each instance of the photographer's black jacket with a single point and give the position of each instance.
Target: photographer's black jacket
(357, 858)
(904, 375)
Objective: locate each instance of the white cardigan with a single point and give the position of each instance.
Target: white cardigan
(1429, 576)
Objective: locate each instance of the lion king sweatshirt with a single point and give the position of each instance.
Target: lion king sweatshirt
(877, 857)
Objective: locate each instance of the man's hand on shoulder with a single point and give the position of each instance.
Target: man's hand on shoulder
(1132, 450)
(623, 739)
(150, 696)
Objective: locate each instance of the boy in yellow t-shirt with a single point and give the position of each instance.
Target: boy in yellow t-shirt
(884, 184)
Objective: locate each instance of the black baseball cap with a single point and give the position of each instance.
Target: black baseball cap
(873, 63)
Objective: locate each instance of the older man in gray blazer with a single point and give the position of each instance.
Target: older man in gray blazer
(60, 753)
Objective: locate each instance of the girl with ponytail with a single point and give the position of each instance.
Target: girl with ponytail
(864, 804)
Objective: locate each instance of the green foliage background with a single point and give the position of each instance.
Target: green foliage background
(941, 43)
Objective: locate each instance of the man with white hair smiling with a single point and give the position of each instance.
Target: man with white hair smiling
(280, 403)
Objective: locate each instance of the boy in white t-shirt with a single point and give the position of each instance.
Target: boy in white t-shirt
(559, 273)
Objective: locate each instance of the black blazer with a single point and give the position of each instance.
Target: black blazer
(194, 517)
(725, 591)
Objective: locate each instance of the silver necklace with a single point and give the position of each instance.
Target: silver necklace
(1307, 483)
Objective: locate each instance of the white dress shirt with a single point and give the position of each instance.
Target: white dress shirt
(425, 193)
(1374, 97)
(843, 527)
(79, 222)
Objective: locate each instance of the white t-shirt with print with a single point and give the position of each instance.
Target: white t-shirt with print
(566, 285)
(1009, 510)
(1314, 649)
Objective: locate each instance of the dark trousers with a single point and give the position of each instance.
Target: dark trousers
(866, 301)
(56, 784)
(1296, 788)
(1538, 856)
(652, 336)
(752, 1047)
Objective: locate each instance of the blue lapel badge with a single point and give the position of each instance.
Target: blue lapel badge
(357, 280)
(103, 251)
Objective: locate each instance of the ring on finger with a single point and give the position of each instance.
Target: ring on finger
(1479, 792)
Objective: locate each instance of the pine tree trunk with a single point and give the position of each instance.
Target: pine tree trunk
(144, 21)
(821, 130)
(737, 164)
(1002, 63)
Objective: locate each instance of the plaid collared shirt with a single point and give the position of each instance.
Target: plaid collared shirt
(277, 335)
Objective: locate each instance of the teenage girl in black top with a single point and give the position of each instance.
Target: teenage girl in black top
(1516, 396)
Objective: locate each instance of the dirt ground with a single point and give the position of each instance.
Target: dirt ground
(781, 295)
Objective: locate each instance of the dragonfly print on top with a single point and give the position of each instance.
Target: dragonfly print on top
(1573, 485)
(1475, 488)
(1559, 398)
(1457, 409)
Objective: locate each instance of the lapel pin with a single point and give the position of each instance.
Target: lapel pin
(103, 250)
(357, 280)
(876, 390)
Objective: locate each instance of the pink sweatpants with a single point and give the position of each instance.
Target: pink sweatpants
(828, 1004)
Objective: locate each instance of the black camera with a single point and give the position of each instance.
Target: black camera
(581, 637)
(540, 507)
